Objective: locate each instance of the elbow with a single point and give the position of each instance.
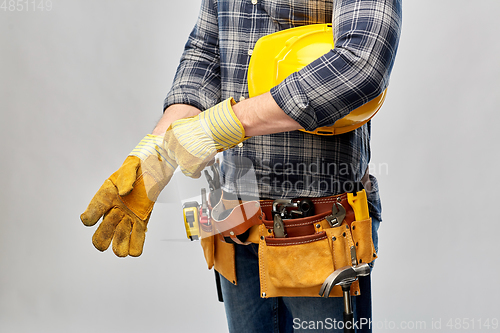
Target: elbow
(370, 71)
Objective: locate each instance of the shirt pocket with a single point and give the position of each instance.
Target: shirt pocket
(299, 12)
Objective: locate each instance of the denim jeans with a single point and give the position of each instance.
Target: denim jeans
(246, 311)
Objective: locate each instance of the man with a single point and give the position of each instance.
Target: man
(262, 129)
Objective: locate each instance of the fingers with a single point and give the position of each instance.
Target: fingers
(121, 239)
(100, 204)
(106, 230)
(128, 237)
(118, 207)
(137, 238)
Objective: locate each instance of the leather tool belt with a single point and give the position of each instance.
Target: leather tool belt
(296, 260)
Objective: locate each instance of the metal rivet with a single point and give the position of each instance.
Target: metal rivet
(263, 294)
(347, 226)
(353, 227)
(355, 292)
(269, 230)
(262, 237)
(334, 238)
(357, 244)
(231, 233)
(374, 255)
(234, 282)
(344, 234)
(318, 225)
(360, 261)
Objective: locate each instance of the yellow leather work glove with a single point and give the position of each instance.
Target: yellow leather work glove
(126, 198)
(193, 142)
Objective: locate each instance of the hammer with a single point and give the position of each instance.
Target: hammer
(344, 277)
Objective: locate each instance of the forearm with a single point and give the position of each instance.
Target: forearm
(173, 113)
(261, 115)
(366, 34)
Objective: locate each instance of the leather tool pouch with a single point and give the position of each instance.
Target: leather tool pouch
(297, 265)
(230, 220)
(218, 254)
(362, 236)
(207, 243)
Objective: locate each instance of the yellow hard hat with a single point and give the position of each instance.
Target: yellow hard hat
(280, 54)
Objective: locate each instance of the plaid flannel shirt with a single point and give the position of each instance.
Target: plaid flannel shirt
(294, 164)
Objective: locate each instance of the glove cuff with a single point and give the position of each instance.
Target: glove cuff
(153, 145)
(223, 125)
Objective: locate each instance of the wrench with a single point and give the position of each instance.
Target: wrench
(337, 216)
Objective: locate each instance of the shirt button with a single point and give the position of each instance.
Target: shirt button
(240, 145)
(242, 98)
(250, 52)
(254, 2)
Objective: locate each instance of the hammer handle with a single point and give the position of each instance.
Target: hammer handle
(348, 322)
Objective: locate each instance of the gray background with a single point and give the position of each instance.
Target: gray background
(81, 84)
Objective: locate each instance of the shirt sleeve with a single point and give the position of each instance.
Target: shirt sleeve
(366, 35)
(197, 79)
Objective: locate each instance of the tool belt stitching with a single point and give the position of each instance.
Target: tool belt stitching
(294, 225)
(321, 200)
(301, 242)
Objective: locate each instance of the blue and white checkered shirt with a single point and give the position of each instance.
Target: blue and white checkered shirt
(294, 164)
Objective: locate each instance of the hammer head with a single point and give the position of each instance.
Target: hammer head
(344, 276)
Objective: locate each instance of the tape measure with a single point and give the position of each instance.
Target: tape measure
(191, 212)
